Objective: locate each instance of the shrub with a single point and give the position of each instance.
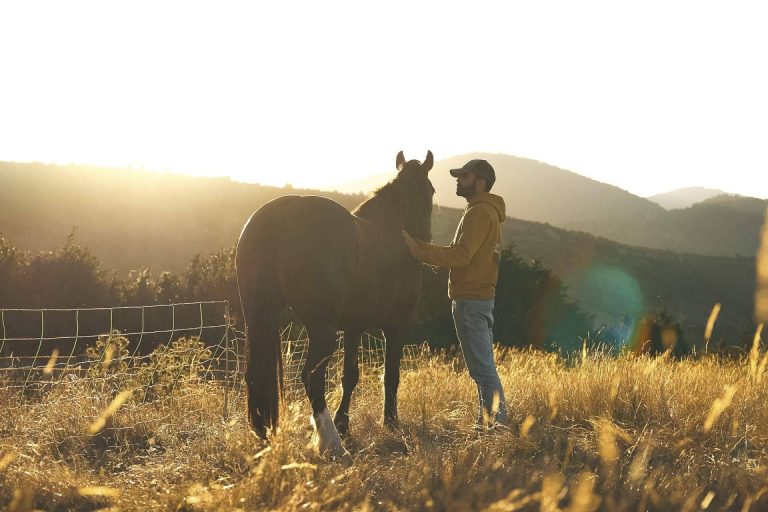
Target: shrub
(183, 361)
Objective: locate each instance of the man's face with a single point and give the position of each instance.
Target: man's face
(465, 185)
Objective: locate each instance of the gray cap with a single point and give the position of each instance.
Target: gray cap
(480, 168)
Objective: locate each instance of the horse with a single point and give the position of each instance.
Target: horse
(337, 271)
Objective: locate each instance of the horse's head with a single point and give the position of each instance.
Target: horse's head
(415, 193)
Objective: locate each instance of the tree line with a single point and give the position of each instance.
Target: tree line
(532, 306)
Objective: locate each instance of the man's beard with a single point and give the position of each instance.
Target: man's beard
(466, 191)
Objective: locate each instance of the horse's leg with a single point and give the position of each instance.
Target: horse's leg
(322, 344)
(395, 339)
(350, 379)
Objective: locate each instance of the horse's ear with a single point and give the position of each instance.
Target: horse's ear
(400, 161)
(428, 162)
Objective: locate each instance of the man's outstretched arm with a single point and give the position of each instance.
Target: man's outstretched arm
(476, 224)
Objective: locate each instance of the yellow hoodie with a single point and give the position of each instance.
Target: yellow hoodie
(473, 256)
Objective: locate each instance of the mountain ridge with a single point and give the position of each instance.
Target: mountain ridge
(539, 192)
(684, 197)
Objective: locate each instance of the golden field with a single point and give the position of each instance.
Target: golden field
(594, 433)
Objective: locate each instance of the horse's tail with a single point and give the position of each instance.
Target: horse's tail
(263, 365)
(262, 301)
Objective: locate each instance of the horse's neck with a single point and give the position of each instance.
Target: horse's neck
(379, 233)
(380, 246)
(381, 210)
(375, 233)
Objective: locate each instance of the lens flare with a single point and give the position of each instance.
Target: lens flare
(614, 297)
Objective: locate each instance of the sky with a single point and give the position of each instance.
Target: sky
(648, 96)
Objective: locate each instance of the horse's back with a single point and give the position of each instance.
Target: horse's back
(303, 246)
(296, 220)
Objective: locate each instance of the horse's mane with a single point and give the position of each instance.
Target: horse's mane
(401, 204)
(379, 201)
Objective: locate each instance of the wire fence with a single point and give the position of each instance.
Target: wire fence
(295, 344)
(153, 348)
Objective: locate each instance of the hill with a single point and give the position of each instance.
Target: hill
(540, 192)
(544, 193)
(132, 219)
(684, 197)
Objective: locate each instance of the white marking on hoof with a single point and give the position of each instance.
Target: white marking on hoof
(326, 438)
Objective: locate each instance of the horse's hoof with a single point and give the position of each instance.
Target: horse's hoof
(326, 438)
(392, 423)
(342, 424)
(343, 457)
(343, 431)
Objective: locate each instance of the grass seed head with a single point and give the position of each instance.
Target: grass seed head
(718, 406)
(107, 413)
(711, 321)
(48, 370)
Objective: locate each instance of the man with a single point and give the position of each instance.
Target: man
(473, 260)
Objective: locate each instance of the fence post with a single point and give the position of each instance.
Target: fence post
(2, 321)
(39, 346)
(141, 334)
(77, 339)
(226, 360)
(173, 324)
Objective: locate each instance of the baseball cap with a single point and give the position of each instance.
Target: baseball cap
(480, 168)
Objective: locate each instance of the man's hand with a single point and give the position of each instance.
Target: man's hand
(412, 245)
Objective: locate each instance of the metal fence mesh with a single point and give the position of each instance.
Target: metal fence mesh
(153, 348)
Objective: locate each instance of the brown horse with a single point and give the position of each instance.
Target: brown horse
(338, 271)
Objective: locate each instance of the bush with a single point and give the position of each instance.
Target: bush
(183, 361)
(108, 356)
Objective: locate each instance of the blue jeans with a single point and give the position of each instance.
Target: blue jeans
(474, 323)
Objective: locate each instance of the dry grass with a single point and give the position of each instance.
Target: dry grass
(608, 434)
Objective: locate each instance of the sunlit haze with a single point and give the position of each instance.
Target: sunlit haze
(648, 96)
